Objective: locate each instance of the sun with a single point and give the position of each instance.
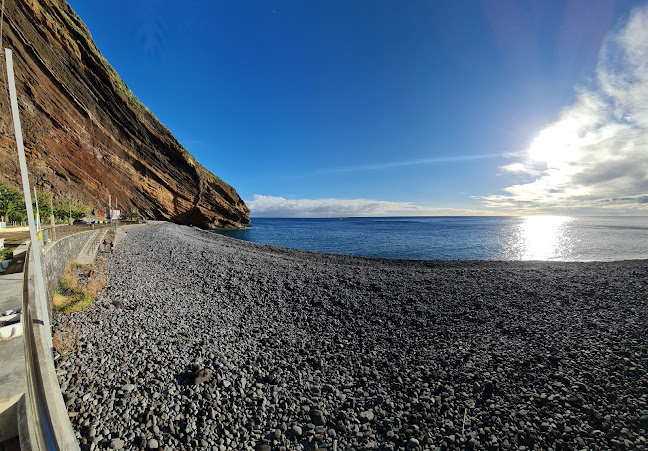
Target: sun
(553, 145)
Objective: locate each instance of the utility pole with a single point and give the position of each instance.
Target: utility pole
(52, 210)
(52, 222)
(36, 247)
(38, 224)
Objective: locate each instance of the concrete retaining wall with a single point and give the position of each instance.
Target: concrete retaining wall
(58, 255)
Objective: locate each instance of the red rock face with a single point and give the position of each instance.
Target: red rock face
(87, 136)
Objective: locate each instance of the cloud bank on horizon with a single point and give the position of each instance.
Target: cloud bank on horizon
(273, 206)
(594, 157)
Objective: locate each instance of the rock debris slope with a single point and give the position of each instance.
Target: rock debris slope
(236, 345)
(87, 136)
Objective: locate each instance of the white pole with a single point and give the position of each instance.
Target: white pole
(52, 210)
(52, 222)
(38, 224)
(36, 247)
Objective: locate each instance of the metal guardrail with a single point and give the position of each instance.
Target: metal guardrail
(41, 429)
(59, 232)
(62, 231)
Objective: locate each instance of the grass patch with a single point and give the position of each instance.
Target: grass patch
(59, 300)
(78, 288)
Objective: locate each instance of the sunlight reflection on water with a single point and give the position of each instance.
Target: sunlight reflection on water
(540, 238)
(556, 238)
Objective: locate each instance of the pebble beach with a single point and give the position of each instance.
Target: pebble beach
(236, 345)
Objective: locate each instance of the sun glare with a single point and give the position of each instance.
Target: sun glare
(553, 145)
(542, 237)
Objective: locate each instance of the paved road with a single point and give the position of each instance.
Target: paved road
(13, 382)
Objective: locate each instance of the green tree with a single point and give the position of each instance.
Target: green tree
(12, 205)
(43, 205)
(60, 212)
(133, 215)
(66, 207)
(79, 211)
(6, 207)
(18, 217)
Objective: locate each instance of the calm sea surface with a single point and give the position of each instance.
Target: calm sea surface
(462, 238)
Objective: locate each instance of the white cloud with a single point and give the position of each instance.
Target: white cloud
(520, 168)
(595, 155)
(271, 206)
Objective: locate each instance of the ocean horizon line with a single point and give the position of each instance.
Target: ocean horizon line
(566, 238)
(450, 216)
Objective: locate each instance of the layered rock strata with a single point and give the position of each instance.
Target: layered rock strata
(88, 137)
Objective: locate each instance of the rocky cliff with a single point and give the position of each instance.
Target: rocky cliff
(87, 136)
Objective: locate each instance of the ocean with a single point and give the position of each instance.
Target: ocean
(555, 238)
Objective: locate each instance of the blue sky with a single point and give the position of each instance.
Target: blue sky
(390, 107)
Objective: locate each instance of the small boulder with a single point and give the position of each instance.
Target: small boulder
(317, 417)
(367, 415)
(116, 443)
(127, 388)
(202, 375)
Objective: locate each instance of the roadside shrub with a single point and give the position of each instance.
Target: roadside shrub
(66, 340)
